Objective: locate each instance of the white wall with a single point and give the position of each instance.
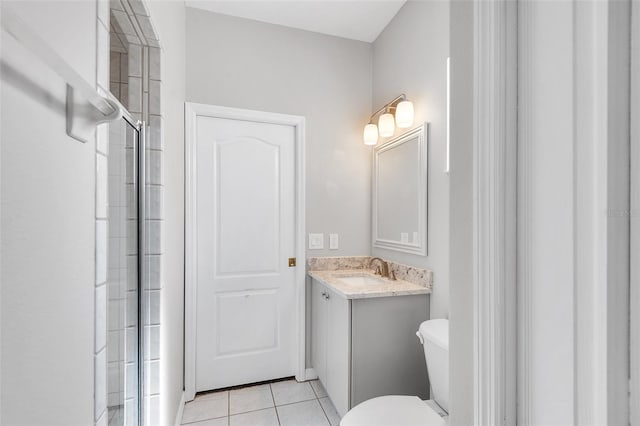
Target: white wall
(48, 226)
(461, 209)
(246, 64)
(573, 142)
(410, 57)
(169, 19)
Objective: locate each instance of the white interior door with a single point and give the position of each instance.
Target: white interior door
(245, 233)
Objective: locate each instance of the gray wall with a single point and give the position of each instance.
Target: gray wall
(247, 64)
(461, 208)
(47, 227)
(169, 20)
(410, 57)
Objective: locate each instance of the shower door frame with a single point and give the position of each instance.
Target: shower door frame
(140, 173)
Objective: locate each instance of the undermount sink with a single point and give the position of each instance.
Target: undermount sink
(362, 280)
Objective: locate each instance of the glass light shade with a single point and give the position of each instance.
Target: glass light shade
(404, 114)
(386, 125)
(370, 134)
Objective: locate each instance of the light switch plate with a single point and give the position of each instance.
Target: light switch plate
(404, 237)
(333, 242)
(316, 241)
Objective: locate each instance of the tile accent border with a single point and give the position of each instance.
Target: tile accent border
(412, 274)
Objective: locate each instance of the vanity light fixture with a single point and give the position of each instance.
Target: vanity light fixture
(404, 114)
(370, 134)
(387, 122)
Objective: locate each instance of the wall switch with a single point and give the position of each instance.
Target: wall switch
(404, 237)
(415, 237)
(333, 242)
(316, 241)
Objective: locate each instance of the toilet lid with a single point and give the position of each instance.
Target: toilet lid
(392, 410)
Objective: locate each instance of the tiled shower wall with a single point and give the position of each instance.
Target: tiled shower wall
(143, 91)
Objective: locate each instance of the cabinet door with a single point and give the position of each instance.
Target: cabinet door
(319, 330)
(338, 351)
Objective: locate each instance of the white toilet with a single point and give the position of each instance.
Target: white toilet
(400, 410)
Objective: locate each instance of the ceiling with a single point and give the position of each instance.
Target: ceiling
(360, 20)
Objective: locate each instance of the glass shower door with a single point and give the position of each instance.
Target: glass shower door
(123, 291)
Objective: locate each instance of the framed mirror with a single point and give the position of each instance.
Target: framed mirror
(399, 193)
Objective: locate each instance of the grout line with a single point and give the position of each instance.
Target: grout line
(274, 404)
(314, 391)
(325, 413)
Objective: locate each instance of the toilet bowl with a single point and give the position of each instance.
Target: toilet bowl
(402, 410)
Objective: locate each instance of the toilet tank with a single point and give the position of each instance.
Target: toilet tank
(434, 336)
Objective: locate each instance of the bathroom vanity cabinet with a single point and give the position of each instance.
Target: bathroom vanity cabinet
(367, 347)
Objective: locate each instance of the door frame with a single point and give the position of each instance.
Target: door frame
(192, 112)
(634, 415)
(494, 212)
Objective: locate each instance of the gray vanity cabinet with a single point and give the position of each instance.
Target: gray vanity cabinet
(363, 348)
(330, 351)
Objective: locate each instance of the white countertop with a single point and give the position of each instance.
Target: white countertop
(385, 289)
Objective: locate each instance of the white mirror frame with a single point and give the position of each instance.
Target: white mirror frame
(421, 248)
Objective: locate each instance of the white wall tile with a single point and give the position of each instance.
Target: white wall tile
(113, 316)
(152, 349)
(155, 98)
(131, 336)
(154, 377)
(124, 95)
(154, 272)
(132, 237)
(131, 373)
(132, 272)
(113, 345)
(135, 94)
(154, 410)
(132, 309)
(113, 376)
(115, 4)
(114, 252)
(135, 61)
(139, 8)
(102, 188)
(100, 383)
(129, 160)
(101, 317)
(124, 67)
(153, 167)
(147, 29)
(155, 243)
(114, 68)
(130, 412)
(102, 242)
(155, 69)
(123, 22)
(154, 306)
(102, 61)
(154, 202)
(155, 140)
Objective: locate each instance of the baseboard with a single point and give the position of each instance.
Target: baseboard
(310, 374)
(180, 411)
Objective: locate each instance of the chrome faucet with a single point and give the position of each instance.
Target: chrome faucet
(383, 269)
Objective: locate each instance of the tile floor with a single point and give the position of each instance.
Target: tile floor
(281, 403)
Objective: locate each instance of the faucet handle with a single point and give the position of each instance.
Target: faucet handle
(378, 271)
(392, 275)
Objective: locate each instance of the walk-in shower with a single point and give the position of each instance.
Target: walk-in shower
(125, 270)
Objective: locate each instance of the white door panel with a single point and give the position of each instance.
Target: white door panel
(245, 321)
